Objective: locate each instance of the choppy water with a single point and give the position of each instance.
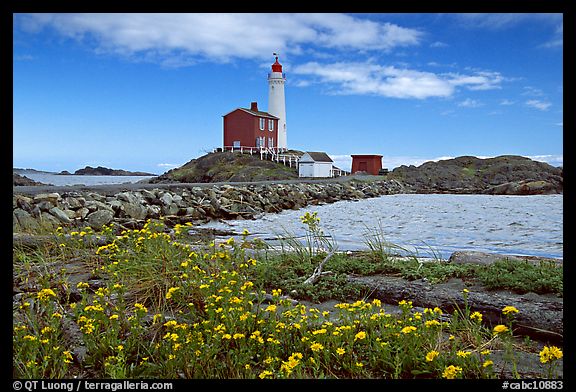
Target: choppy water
(63, 179)
(431, 224)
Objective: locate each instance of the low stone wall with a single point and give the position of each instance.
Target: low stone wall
(186, 204)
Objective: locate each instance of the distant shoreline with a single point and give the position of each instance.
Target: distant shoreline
(88, 171)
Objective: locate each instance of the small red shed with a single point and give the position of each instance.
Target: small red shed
(370, 164)
(250, 128)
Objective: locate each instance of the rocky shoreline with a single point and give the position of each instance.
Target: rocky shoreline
(181, 203)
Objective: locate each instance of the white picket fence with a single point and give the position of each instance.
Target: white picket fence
(266, 153)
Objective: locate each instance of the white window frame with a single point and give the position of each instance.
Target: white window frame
(271, 142)
(271, 125)
(262, 124)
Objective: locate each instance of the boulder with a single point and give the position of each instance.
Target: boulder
(81, 213)
(135, 210)
(100, 218)
(24, 219)
(60, 215)
(50, 197)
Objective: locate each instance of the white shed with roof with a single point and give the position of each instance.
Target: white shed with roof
(315, 164)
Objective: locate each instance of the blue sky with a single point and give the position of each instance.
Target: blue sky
(147, 91)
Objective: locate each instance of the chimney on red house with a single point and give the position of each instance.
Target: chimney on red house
(254, 106)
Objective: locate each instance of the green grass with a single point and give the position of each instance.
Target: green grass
(544, 278)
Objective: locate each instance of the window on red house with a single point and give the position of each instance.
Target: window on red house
(262, 124)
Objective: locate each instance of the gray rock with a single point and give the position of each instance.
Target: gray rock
(45, 205)
(153, 211)
(100, 218)
(96, 196)
(81, 213)
(474, 257)
(51, 197)
(128, 197)
(171, 209)
(116, 205)
(482, 258)
(166, 199)
(24, 219)
(75, 202)
(60, 215)
(135, 210)
(48, 219)
(23, 202)
(94, 205)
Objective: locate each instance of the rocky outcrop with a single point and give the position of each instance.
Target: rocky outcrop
(228, 167)
(185, 204)
(503, 175)
(540, 316)
(104, 171)
(19, 180)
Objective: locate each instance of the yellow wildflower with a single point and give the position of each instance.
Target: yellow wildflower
(509, 310)
(452, 372)
(549, 354)
(340, 351)
(265, 373)
(67, 356)
(46, 330)
(407, 330)
(316, 347)
(171, 291)
(432, 355)
(476, 316)
(45, 294)
(500, 329)
(360, 335)
(487, 363)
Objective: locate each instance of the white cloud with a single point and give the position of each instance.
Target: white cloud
(481, 80)
(538, 104)
(557, 41)
(24, 57)
(530, 91)
(505, 20)
(554, 160)
(367, 78)
(179, 39)
(439, 44)
(470, 103)
(169, 165)
(506, 102)
(373, 79)
(560, 124)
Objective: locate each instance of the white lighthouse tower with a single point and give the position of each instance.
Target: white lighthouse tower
(277, 102)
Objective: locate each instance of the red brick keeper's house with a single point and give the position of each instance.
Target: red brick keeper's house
(250, 128)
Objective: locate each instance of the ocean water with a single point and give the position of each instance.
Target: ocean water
(60, 180)
(429, 224)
